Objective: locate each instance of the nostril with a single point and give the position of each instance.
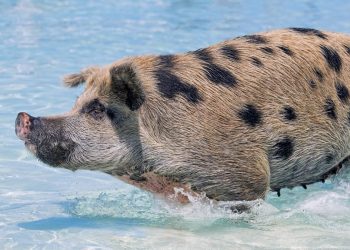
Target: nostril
(24, 124)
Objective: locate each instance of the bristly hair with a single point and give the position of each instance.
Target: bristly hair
(73, 80)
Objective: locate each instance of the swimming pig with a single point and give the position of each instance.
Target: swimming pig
(234, 120)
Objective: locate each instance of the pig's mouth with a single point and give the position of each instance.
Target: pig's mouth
(52, 151)
(30, 146)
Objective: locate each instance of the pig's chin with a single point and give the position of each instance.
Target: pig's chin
(53, 153)
(31, 147)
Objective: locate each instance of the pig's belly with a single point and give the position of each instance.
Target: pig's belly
(162, 186)
(305, 170)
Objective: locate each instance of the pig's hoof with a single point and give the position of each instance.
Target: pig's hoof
(240, 208)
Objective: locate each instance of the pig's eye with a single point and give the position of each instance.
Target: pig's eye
(95, 109)
(97, 113)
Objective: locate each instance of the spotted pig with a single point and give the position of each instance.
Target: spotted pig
(234, 120)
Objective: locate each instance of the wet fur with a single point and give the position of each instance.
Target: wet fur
(234, 120)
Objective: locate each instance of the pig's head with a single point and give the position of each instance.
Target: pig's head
(100, 132)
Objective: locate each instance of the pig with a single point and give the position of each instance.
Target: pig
(233, 121)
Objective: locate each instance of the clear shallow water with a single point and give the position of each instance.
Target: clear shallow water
(46, 208)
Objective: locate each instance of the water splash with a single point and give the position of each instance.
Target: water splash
(198, 214)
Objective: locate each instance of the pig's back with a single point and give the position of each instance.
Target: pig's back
(284, 93)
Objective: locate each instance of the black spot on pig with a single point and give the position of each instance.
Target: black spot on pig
(169, 85)
(288, 113)
(312, 84)
(256, 62)
(347, 49)
(257, 39)
(283, 148)
(214, 72)
(332, 58)
(330, 109)
(286, 50)
(250, 115)
(312, 32)
(231, 53)
(267, 50)
(342, 92)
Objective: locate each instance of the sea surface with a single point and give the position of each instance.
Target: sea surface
(49, 208)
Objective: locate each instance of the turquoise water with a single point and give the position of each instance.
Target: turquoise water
(46, 208)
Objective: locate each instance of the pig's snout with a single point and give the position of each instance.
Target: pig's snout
(44, 138)
(25, 124)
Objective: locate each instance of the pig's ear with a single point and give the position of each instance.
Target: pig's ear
(127, 86)
(76, 79)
